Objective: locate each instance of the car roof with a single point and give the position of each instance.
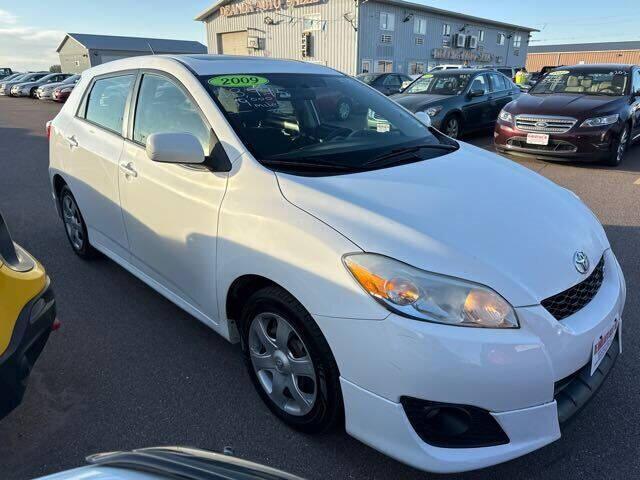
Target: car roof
(598, 66)
(213, 65)
(449, 71)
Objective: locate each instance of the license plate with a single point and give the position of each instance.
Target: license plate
(602, 343)
(538, 138)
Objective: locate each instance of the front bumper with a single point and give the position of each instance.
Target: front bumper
(588, 144)
(19, 93)
(30, 335)
(511, 374)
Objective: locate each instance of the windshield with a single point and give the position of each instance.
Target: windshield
(71, 79)
(440, 83)
(320, 120)
(583, 82)
(367, 78)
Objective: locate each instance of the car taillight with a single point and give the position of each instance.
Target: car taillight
(48, 127)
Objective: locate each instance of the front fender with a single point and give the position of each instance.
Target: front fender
(261, 233)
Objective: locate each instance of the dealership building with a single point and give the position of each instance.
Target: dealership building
(583, 53)
(79, 51)
(362, 36)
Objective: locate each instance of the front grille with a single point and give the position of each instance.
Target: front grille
(544, 124)
(559, 146)
(566, 303)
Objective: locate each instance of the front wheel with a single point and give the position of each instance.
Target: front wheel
(452, 127)
(32, 93)
(619, 148)
(290, 362)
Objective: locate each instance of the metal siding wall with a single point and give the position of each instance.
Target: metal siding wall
(72, 52)
(334, 47)
(405, 49)
(535, 61)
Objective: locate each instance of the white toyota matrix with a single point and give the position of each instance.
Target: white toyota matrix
(452, 308)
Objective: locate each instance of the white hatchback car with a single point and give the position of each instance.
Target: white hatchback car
(454, 306)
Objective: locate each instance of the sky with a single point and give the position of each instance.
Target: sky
(30, 30)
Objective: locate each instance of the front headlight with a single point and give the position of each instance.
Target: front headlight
(421, 295)
(506, 116)
(433, 111)
(601, 121)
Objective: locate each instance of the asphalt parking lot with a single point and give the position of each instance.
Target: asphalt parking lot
(129, 369)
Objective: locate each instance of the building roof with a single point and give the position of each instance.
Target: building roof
(401, 3)
(134, 44)
(585, 47)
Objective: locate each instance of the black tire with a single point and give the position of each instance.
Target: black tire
(328, 407)
(343, 109)
(81, 248)
(452, 126)
(32, 92)
(619, 148)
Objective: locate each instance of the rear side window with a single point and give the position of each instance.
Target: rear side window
(164, 108)
(107, 100)
(497, 82)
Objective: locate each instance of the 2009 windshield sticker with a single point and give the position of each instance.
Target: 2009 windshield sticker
(238, 81)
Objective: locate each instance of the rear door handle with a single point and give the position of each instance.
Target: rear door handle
(128, 170)
(73, 142)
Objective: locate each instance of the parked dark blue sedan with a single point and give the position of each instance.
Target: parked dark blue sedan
(459, 101)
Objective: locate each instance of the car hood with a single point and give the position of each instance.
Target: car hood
(26, 84)
(469, 214)
(416, 101)
(572, 105)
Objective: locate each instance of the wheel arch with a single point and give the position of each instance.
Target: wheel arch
(57, 183)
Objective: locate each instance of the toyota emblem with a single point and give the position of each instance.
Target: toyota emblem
(581, 262)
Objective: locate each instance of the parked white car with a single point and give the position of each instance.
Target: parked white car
(450, 303)
(169, 463)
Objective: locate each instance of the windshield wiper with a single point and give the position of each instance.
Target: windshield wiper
(308, 166)
(383, 160)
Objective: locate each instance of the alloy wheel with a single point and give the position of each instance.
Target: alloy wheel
(622, 146)
(282, 364)
(73, 222)
(452, 128)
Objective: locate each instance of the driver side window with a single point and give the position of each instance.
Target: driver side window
(636, 81)
(163, 107)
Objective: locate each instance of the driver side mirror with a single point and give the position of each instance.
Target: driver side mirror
(476, 92)
(424, 118)
(174, 148)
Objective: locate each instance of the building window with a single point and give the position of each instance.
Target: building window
(366, 66)
(384, 66)
(420, 25)
(481, 35)
(517, 41)
(416, 68)
(311, 22)
(385, 38)
(501, 39)
(446, 29)
(419, 41)
(386, 21)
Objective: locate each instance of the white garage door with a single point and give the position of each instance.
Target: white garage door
(234, 43)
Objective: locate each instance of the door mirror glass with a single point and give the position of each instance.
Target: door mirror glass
(424, 118)
(174, 148)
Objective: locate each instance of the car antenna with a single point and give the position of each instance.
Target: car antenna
(149, 45)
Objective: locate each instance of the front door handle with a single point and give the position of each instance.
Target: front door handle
(128, 170)
(73, 142)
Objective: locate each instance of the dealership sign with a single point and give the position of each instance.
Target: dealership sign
(461, 54)
(254, 6)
